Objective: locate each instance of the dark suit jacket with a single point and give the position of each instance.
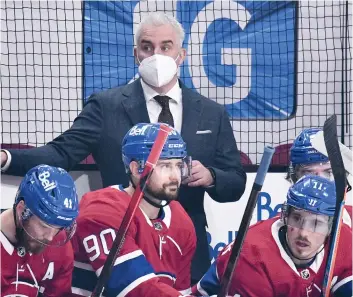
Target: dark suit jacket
(101, 126)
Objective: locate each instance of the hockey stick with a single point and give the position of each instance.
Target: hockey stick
(245, 222)
(130, 212)
(318, 143)
(339, 173)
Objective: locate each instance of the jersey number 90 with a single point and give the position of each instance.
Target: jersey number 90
(93, 247)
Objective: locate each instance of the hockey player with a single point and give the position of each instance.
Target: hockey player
(156, 256)
(285, 256)
(36, 254)
(305, 159)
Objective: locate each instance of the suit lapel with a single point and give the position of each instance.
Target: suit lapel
(135, 103)
(135, 106)
(191, 113)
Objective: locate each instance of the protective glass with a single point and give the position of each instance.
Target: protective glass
(177, 167)
(321, 169)
(308, 221)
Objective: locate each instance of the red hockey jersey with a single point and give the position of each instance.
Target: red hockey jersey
(156, 256)
(265, 269)
(347, 215)
(25, 274)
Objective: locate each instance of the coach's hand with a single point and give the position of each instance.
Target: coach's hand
(3, 158)
(200, 176)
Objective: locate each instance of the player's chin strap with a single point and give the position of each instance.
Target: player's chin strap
(149, 200)
(148, 197)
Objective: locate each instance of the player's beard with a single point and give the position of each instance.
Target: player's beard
(27, 241)
(164, 193)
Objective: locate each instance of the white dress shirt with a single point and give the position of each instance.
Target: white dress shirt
(154, 108)
(8, 162)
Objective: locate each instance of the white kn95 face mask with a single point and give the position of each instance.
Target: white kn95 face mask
(158, 70)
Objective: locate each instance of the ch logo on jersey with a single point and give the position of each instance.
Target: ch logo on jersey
(157, 226)
(21, 251)
(305, 274)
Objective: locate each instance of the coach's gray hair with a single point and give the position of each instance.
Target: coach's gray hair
(159, 19)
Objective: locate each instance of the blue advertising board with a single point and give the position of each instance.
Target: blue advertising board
(240, 53)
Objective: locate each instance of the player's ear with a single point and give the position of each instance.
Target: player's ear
(135, 55)
(20, 207)
(134, 169)
(284, 212)
(182, 56)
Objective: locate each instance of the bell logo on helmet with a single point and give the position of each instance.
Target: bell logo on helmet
(135, 131)
(47, 185)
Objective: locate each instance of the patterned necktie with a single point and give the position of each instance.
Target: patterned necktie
(165, 116)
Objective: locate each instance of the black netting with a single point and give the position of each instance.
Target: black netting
(277, 66)
(41, 70)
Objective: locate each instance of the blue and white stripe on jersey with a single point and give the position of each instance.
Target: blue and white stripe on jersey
(209, 284)
(129, 271)
(83, 279)
(343, 287)
(165, 274)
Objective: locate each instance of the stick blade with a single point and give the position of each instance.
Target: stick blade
(335, 157)
(318, 143)
(339, 173)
